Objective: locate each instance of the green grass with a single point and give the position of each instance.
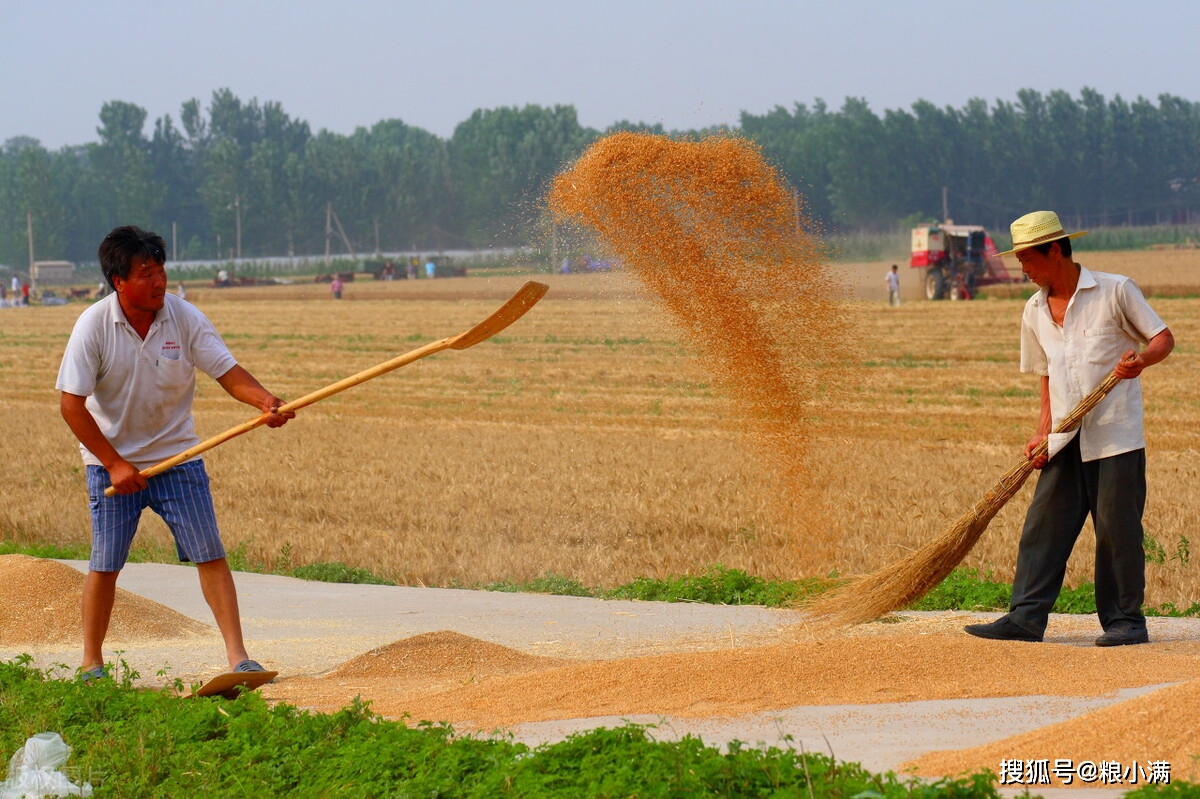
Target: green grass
(152, 743)
(337, 572)
(548, 583)
(966, 589)
(53, 551)
(716, 586)
(720, 586)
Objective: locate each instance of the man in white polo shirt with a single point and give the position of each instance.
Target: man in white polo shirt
(1077, 329)
(127, 381)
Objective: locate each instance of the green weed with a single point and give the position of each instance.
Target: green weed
(52, 551)
(966, 589)
(337, 572)
(720, 586)
(548, 583)
(1176, 789)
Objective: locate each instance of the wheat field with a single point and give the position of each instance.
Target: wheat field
(587, 441)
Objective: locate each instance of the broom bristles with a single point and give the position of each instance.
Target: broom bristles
(916, 574)
(910, 578)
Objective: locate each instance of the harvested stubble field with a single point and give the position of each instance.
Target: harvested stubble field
(588, 441)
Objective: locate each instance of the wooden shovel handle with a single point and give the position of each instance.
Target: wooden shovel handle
(512, 310)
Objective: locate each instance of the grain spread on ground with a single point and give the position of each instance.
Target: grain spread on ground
(39, 605)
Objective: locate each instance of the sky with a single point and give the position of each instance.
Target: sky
(687, 64)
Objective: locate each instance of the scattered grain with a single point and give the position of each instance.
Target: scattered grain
(495, 686)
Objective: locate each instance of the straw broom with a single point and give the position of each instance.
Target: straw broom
(907, 580)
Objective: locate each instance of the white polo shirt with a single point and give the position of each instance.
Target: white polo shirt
(140, 391)
(1106, 317)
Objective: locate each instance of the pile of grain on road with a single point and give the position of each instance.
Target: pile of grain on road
(1161, 726)
(443, 654)
(39, 605)
(399, 673)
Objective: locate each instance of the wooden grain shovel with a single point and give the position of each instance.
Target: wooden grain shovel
(910, 578)
(511, 311)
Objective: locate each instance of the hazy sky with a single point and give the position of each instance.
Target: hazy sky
(683, 63)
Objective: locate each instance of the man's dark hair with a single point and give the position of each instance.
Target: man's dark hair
(126, 245)
(1064, 246)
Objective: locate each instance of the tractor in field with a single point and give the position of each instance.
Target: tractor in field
(957, 260)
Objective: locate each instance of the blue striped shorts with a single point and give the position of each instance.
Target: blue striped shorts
(182, 498)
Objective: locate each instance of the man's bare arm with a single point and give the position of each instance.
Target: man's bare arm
(1134, 363)
(243, 386)
(121, 473)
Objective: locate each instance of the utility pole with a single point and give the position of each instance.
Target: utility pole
(328, 231)
(945, 206)
(237, 207)
(174, 245)
(29, 233)
(341, 231)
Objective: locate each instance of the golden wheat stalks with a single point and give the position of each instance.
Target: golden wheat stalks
(910, 578)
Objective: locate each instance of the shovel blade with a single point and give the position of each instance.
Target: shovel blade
(516, 307)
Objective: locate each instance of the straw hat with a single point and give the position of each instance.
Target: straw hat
(1040, 227)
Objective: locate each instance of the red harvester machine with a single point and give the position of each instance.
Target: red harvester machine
(957, 260)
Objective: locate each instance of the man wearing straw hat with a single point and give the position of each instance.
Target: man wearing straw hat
(1074, 331)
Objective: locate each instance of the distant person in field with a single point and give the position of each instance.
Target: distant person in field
(1074, 331)
(335, 287)
(893, 286)
(430, 269)
(127, 381)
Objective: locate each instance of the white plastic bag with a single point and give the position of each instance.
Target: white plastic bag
(33, 771)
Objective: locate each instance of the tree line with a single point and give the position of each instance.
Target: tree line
(1096, 162)
(240, 177)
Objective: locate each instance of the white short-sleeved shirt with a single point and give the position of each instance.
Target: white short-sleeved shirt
(140, 391)
(1106, 317)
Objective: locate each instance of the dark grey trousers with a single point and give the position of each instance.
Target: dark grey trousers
(1113, 491)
